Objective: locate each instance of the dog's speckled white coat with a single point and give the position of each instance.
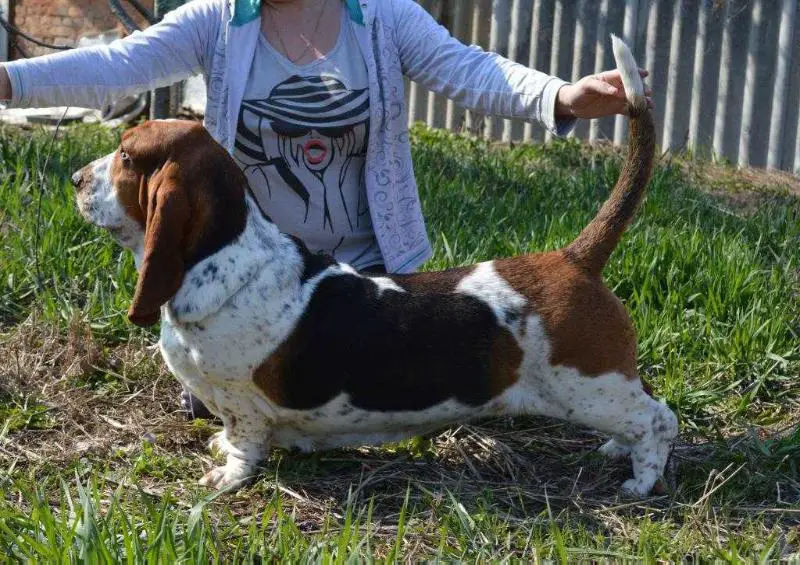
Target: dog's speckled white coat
(237, 306)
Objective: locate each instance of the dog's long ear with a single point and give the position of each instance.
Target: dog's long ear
(166, 225)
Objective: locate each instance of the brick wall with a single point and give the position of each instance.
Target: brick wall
(63, 22)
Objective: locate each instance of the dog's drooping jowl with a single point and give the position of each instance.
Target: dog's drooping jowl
(293, 349)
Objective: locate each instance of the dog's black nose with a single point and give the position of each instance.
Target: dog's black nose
(81, 179)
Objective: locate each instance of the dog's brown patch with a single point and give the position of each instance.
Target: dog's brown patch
(506, 358)
(131, 189)
(588, 327)
(268, 375)
(437, 282)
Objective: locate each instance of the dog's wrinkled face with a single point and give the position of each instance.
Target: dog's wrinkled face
(170, 194)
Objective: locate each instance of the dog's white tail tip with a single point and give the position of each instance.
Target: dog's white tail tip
(631, 80)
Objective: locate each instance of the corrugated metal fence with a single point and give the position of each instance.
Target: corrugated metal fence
(726, 73)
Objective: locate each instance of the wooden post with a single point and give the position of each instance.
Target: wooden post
(629, 35)
(697, 77)
(750, 86)
(725, 64)
(601, 39)
(782, 78)
(671, 138)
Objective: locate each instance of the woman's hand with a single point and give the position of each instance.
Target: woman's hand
(595, 96)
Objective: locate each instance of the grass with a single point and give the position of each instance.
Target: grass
(98, 465)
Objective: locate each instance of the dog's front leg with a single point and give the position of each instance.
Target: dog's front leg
(245, 441)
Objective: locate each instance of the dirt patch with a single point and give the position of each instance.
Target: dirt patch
(87, 398)
(740, 189)
(743, 190)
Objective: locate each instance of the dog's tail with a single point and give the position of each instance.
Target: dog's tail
(593, 247)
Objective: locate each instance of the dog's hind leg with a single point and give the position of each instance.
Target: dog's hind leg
(650, 453)
(639, 425)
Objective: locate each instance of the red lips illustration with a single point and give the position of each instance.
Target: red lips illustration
(315, 151)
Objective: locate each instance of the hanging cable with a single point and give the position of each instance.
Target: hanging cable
(13, 30)
(120, 13)
(124, 18)
(145, 13)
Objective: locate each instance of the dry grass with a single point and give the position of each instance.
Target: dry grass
(514, 470)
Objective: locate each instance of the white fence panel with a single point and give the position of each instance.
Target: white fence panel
(726, 73)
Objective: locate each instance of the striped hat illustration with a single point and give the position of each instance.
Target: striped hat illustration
(313, 102)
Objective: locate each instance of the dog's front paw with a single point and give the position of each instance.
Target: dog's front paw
(634, 488)
(234, 474)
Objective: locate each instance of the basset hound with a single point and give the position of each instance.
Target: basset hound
(293, 349)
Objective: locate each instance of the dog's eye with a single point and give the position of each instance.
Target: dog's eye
(124, 156)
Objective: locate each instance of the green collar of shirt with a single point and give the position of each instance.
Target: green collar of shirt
(245, 11)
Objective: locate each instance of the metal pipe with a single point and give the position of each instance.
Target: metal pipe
(652, 31)
(433, 100)
(161, 100)
(515, 36)
(498, 43)
(578, 46)
(144, 12)
(124, 18)
(415, 96)
(452, 112)
(474, 120)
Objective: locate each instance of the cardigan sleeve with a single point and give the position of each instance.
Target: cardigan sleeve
(474, 78)
(179, 46)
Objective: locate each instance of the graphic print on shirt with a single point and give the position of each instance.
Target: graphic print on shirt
(320, 130)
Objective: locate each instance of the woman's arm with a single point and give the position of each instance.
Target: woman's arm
(474, 78)
(178, 47)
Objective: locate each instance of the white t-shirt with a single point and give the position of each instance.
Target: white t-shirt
(301, 140)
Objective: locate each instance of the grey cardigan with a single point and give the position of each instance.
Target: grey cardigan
(397, 38)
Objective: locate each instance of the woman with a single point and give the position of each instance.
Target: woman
(307, 95)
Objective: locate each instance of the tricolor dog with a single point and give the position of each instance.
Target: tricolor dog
(293, 349)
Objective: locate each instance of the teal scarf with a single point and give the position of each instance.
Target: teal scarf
(245, 11)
